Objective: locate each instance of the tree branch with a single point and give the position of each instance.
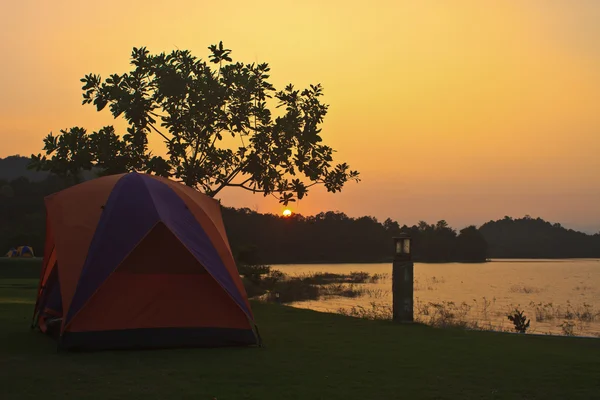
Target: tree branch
(156, 115)
(205, 150)
(160, 133)
(250, 189)
(241, 185)
(226, 181)
(193, 161)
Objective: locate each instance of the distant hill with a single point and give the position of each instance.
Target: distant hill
(535, 238)
(13, 167)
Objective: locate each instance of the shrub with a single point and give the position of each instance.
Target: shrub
(290, 290)
(253, 273)
(519, 320)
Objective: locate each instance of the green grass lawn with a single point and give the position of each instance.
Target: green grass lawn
(308, 355)
(20, 267)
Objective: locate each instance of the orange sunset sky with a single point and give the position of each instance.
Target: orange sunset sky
(458, 110)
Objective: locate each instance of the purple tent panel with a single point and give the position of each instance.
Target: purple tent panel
(128, 216)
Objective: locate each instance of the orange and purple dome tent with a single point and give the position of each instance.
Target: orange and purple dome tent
(136, 260)
(21, 251)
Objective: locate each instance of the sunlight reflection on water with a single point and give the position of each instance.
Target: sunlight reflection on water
(550, 291)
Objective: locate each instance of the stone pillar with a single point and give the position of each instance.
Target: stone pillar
(402, 290)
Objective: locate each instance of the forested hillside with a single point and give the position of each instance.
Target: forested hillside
(535, 238)
(14, 167)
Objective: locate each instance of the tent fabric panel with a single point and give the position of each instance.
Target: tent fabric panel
(157, 338)
(161, 252)
(49, 243)
(49, 308)
(207, 211)
(53, 300)
(178, 218)
(129, 215)
(47, 263)
(49, 268)
(74, 214)
(209, 205)
(49, 279)
(49, 295)
(133, 301)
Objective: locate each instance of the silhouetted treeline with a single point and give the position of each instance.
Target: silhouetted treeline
(327, 237)
(535, 238)
(332, 237)
(22, 212)
(13, 167)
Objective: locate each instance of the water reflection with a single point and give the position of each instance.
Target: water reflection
(559, 296)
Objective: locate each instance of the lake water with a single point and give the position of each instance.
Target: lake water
(559, 296)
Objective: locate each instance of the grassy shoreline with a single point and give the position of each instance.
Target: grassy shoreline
(308, 355)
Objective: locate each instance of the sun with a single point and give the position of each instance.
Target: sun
(287, 212)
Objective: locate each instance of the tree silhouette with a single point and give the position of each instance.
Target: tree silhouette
(214, 119)
(471, 245)
(530, 237)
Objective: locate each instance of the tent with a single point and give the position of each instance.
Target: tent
(136, 260)
(21, 251)
(12, 253)
(25, 251)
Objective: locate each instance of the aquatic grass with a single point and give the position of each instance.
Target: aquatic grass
(524, 289)
(582, 312)
(428, 284)
(585, 313)
(359, 277)
(377, 293)
(443, 314)
(326, 278)
(543, 311)
(275, 286)
(375, 278)
(485, 306)
(342, 290)
(375, 311)
(568, 328)
(319, 278)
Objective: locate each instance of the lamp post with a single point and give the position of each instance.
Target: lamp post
(402, 280)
